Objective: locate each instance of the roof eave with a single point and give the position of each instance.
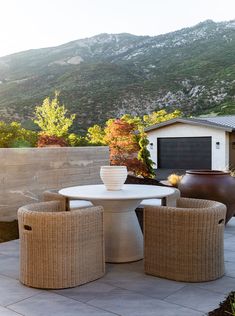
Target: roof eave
(188, 121)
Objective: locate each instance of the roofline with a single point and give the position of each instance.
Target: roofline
(189, 121)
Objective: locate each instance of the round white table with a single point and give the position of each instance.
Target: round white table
(123, 236)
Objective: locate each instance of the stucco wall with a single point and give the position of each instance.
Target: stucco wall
(26, 172)
(220, 156)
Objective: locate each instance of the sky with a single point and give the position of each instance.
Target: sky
(27, 24)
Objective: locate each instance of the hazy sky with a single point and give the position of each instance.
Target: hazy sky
(26, 24)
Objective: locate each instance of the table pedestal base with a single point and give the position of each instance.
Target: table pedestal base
(123, 236)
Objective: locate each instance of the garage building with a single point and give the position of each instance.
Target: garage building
(195, 143)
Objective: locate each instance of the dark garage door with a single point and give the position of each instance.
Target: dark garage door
(184, 153)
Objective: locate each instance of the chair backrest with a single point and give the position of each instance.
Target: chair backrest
(53, 195)
(185, 243)
(43, 207)
(190, 211)
(60, 249)
(170, 200)
(191, 203)
(44, 218)
(38, 214)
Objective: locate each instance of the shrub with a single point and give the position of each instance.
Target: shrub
(144, 156)
(45, 140)
(14, 135)
(124, 147)
(95, 135)
(76, 140)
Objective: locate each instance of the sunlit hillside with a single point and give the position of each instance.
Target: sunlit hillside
(105, 76)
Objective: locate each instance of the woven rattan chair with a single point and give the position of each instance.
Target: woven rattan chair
(185, 243)
(69, 204)
(60, 249)
(170, 201)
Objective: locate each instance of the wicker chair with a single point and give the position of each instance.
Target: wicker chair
(185, 243)
(69, 204)
(60, 249)
(170, 201)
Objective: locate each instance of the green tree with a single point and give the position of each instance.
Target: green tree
(135, 120)
(51, 117)
(77, 140)
(127, 140)
(160, 116)
(95, 135)
(14, 135)
(144, 155)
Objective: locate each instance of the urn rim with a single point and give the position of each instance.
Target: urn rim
(207, 172)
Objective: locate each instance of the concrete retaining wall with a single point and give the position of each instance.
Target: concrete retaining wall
(26, 172)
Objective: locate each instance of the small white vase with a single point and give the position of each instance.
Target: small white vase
(113, 177)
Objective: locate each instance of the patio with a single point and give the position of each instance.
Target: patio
(124, 290)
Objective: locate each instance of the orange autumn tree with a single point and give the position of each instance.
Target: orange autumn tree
(124, 146)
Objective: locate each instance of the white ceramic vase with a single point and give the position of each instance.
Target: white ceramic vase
(113, 177)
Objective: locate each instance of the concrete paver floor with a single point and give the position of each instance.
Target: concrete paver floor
(124, 290)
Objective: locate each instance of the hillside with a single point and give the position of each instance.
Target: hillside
(192, 69)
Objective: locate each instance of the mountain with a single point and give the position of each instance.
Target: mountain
(107, 75)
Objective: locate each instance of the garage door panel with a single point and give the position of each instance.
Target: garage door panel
(184, 153)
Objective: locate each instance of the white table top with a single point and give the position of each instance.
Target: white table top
(128, 192)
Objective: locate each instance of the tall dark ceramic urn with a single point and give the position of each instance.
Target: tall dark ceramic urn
(210, 185)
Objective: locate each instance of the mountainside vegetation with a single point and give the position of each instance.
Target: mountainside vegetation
(109, 75)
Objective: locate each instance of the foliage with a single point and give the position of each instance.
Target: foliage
(226, 108)
(95, 135)
(72, 140)
(232, 304)
(45, 140)
(120, 135)
(77, 140)
(192, 70)
(14, 135)
(124, 146)
(227, 307)
(159, 117)
(232, 172)
(127, 140)
(51, 117)
(137, 121)
(144, 156)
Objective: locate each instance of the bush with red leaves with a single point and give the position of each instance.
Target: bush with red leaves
(124, 147)
(45, 140)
